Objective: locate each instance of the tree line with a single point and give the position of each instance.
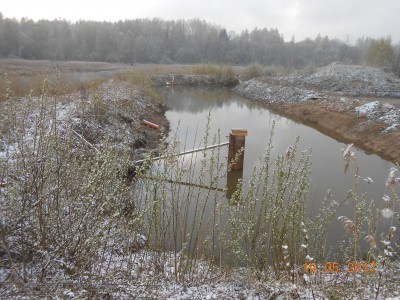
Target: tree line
(182, 41)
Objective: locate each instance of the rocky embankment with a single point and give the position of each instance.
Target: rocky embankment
(354, 104)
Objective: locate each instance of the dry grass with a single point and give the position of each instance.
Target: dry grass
(26, 77)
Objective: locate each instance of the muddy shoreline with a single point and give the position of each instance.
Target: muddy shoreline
(361, 116)
(344, 128)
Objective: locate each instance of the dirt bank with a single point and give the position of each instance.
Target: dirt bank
(117, 112)
(109, 113)
(353, 104)
(344, 127)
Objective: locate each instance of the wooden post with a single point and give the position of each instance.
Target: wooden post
(237, 139)
(232, 180)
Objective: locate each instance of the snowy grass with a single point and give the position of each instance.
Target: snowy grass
(73, 226)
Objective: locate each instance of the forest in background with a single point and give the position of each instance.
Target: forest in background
(186, 42)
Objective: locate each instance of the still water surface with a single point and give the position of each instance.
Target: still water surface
(190, 107)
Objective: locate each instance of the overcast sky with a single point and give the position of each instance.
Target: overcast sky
(301, 18)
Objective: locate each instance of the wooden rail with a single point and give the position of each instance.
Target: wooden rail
(184, 153)
(236, 144)
(202, 186)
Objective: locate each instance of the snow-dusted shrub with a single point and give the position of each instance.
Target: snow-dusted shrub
(63, 201)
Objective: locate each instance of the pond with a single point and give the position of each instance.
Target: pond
(188, 110)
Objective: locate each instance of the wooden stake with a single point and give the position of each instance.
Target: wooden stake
(237, 141)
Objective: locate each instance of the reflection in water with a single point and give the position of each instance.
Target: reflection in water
(189, 108)
(194, 100)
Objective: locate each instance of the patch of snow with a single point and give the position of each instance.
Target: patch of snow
(391, 117)
(377, 111)
(63, 111)
(392, 128)
(368, 108)
(386, 107)
(312, 96)
(69, 294)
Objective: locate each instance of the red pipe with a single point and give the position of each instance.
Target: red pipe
(152, 125)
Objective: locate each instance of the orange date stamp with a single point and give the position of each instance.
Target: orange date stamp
(335, 267)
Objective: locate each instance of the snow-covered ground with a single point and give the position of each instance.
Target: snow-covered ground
(118, 115)
(142, 276)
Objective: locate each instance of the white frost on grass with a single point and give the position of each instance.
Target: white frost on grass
(368, 180)
(135, 277)
(8, 148)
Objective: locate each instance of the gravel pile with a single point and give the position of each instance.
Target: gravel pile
(353, 80)
(338, 78)
(260, 90)
(334, 83)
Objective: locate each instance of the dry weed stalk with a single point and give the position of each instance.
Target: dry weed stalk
(348, 156)
(348, 224)
(392, 180)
